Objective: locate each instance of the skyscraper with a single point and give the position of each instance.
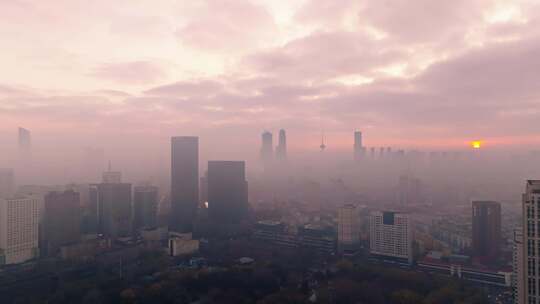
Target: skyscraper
(112, 199)
(267, 150)
(184, 182)
(348, 227)
(281, 149)
(145, 201)
(7, 182)
(61, 221)
(227, 192)
(528, 271)
(358, 148)
(391, 236)
(517, 267)
(25, 139)
(19, 222)
(486, 229)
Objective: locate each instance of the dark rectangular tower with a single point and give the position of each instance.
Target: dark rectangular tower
(184, 182)
(61, 221)
(227, 192)
(145, 201)
(486, 229)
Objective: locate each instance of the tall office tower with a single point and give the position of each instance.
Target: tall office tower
(25, 139)
(358, 148)
(530, 274)
(227, 192)
(372, 152)
(7, 182)
(19, 222)
(112, 200)
(184, 182)
(281, 149)
(381, 152)
(266, 148)
(145, 201)
(388, 151)
(391, 236)
(517, 267)
(61, 221)
(486, 230)
(348, 227)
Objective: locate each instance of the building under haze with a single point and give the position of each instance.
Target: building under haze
(267, 148)
(7, 182)
(486, 230)
(517, 267)
(281, 149)
(391, 236)
(348, 227)
(112, 199)
(145, 203)
(409, 190)
(358, 148)
(528, 264)
(25, 140)
(184, 182)
(19, 222)
(227, 193)
(61, 221)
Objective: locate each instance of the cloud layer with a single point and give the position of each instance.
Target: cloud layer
(409, 73)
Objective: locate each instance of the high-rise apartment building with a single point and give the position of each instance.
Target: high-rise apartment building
(19, 222)
(61, 221)
(184, 182)
(145, 203)
(517, 267)
(486, 230)
(528, 268)
(348, 227)
(391, 236)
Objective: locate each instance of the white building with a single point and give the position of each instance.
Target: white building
(182, 244)
(528, 272)
(19, 221)
(391, 236)
(348, 227)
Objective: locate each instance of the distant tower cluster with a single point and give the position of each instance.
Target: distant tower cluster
(267, 149)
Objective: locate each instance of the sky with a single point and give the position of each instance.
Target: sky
(409, 74)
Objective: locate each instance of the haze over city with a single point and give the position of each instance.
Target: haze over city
(358, 139)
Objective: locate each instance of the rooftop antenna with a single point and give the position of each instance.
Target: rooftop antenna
(322, 146)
